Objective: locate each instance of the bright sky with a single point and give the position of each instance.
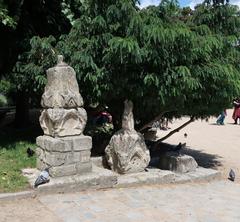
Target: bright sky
(183, 3)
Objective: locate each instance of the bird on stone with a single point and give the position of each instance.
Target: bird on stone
(42, 178)
(179, 147)
(231, 175)
(185, 135)
(30, 152)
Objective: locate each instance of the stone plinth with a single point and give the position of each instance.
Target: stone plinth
(64, 156)
(177, 163)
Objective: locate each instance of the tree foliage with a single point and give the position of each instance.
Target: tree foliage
(163, 58)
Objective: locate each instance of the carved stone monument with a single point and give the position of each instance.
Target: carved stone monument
(127, 151)
(63, 148)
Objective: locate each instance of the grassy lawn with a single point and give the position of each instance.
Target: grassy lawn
(13, 157)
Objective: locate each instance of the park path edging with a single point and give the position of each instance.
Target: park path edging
(106, 179)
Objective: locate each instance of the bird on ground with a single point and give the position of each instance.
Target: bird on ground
(179, 147)
(231, 175)
(185, 135)
(30, 152)
(42, 178)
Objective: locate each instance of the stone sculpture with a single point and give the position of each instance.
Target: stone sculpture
(63, 114)
(63, 148)
(127, 151)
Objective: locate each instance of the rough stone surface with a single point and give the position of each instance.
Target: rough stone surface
(65, 156)
(63, 122)
(177, 163)
(62, 88)
(63, 114)
(72, 169)
(127, 151)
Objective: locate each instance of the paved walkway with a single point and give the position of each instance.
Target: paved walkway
(207, 202)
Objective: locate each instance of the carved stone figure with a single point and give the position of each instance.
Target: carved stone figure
(63, 114)
(63, 148)
(127, 151)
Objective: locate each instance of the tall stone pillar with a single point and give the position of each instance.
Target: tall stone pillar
(63, 147)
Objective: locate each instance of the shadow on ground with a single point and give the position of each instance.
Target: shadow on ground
(204, 159)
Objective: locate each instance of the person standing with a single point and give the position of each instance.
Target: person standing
(221, 118)
(236, 112)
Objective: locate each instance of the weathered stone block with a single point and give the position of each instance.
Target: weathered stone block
(72, 169)
(83, 168)
(82, 157)
(40, 141)
(79, 142)
(60, 171)
(53, 144)
(75, 157)
(55, 159)
(40, 153)
(41, 165)
(177, 163)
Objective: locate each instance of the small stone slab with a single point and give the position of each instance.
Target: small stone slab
(152, 176)
(199, 175)
(177, 163)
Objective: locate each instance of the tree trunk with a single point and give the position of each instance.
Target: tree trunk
(22, 110)
(173, 131)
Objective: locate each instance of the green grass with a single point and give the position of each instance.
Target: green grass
(13, 157)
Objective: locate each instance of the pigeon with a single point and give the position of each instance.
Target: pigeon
(42, 178)
(179, 147)
(231, 175)
(185, 135)
(30, 152)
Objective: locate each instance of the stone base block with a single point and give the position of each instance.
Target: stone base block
(64, 156)
(177, 163)
(72, 169)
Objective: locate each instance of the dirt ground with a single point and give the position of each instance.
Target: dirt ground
(212, 145)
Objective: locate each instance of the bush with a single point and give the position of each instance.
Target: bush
(3, 100)
(5, 87)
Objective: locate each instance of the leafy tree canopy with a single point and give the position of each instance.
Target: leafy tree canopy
(152, 56)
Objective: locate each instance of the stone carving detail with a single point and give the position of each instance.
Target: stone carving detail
(63, 114)
(127, 151)
(63, 122)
